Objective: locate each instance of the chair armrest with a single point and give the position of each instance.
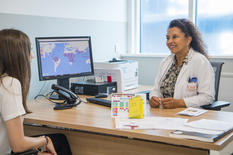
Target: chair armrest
(217, 105)
(28, 152)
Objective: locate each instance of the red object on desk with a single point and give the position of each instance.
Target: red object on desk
(109, 78)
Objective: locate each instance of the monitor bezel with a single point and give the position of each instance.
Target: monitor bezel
(64, 76)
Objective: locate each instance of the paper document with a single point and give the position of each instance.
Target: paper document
(126, 123)
(210, 125)
(168, 123)
(164, 123)
(192, 112)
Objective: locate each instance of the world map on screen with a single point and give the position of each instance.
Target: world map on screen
(61, 58)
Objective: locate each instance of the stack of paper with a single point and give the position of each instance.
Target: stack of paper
(195, 135)
(215, 130)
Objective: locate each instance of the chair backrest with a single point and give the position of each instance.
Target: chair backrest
(217, 66)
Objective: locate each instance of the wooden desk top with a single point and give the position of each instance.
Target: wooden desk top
(97, 119)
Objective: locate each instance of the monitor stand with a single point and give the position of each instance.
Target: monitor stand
(64, 82)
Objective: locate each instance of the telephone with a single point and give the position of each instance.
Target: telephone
(71, 99)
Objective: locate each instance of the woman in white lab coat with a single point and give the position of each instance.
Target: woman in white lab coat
(186, 77)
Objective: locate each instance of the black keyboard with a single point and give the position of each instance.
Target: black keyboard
(99, 101)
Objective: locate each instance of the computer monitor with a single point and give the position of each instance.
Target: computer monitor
(61, 58)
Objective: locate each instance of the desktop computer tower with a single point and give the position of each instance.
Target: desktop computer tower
(93, 88)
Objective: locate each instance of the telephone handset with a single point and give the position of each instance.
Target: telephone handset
(69, 97)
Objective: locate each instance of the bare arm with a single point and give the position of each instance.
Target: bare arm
(19, 143)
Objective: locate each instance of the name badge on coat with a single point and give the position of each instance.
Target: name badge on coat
(192, 84)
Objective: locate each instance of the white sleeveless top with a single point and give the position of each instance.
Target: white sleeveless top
(11, 106)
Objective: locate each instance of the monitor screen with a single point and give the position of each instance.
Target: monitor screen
(64, 57)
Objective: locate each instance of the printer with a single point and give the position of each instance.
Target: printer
(124, 72)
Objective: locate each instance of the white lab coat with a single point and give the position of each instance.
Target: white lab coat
(198, 66)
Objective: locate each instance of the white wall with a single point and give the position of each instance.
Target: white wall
(104, 20)
(112, 11)
(107, 10)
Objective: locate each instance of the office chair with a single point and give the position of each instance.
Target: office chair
(216, 105)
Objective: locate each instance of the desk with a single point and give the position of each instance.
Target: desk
(91, 130)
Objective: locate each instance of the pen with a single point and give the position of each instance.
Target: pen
(160, 103)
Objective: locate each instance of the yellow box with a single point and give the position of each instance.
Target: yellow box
(136, 107)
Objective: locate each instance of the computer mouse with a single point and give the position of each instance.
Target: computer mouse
(102, 95)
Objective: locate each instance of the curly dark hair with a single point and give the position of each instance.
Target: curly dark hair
(189, 29)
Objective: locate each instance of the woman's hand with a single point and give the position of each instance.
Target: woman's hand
(154, 102)
(171, 103)
(168, 103)
(50, 147)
